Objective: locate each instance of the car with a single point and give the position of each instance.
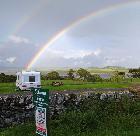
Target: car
(27, 80)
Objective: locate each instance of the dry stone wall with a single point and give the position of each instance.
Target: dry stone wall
(18, 108)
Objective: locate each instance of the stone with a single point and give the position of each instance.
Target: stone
(17, 109)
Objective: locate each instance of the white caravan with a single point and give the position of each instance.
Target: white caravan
(26, 80)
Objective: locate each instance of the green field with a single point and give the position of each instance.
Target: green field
(72, 85)
(7, 88)
(88, 86)
(106, 70)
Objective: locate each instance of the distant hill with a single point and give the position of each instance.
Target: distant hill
(108, 69)
(115, 67)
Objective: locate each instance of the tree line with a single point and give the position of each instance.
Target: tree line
(134, 72)
(84, 74)
(7, 78)
(81, 74)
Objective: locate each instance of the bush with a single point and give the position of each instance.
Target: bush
(93, 117)
(94, 78)
(7, 78)
(94, 114)
(53, 75)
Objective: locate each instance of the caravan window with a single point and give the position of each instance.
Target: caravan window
(31, 78)
(17, 77)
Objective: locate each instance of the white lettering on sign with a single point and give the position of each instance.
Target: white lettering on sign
(41, 93)
(40, 99)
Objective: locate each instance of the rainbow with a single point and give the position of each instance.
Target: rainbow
(33, 12)
(75, 23)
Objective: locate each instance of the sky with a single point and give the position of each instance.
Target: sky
(110, 38)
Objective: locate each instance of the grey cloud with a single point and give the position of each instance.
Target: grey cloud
(11, 60)
(17, 39)
(116, 33)
(87, 61)
(17, 54)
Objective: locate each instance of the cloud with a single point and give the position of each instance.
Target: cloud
(97, 52)
(75, 54)
(127, 61)
(11, 60)
(85, 59)
(17, 51)
(101, 59)
(107, 36)
(18, 39)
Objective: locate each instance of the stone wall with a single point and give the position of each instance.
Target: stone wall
(15, 109)
(18, 108)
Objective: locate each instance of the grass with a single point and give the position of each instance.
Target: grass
(89, 86)
(6, 88)
(99, 118)
(93, 118)
(74, 85)
(105, 70)
(28, 129)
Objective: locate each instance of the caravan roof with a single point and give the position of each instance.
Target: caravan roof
(29, 72)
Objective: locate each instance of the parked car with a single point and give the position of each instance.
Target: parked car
(27, 80)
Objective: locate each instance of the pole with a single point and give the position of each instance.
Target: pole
(41, 102)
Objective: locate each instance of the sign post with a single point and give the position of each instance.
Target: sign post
(41, 102)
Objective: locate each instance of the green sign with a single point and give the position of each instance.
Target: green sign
(41, 101)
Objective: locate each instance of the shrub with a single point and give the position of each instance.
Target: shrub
(94, 114)
(7, 78)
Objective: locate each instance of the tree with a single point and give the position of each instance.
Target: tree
(118, 76)
(43, 77)
(94, 78)
(2, 77)
(53, 75)
(71, 74)
(83, 73)
(135, 72)
(122, 75)
(7, 78)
